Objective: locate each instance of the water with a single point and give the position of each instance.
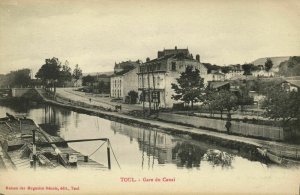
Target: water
(136, 148)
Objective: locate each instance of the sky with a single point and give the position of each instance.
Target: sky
(96, 34)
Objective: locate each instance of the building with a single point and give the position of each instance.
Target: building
(260, 71)
(215, 76)
(156, 76)
(219, 85)
(124, 80)
(291, 83)
(234, 72)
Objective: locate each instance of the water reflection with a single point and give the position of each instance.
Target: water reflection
(19, 105)
(136, 147)
(218, 158)
(54, 119)
(166, 149)
(187, 155)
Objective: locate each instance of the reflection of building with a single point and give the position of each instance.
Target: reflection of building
(52, 119)
(156, 76)
(163, 147)
(151, 142)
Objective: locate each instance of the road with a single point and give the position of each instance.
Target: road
(91, 99)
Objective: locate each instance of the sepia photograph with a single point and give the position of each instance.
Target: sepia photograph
(149, 97)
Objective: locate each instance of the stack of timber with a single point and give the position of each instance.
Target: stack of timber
(16, 147)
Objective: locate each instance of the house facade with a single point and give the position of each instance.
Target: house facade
(291, 83)
(156, 76)
(214, 76)
(263, 73)
(123, 82)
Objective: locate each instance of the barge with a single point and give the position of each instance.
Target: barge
(24, 145)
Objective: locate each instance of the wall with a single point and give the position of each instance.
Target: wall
(116, 89)
(130, 82)
(20, 92)
(241, 128)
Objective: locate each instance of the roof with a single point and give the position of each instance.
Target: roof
(294, 82)
(211, 67)
(274, 80)
(172, 51)
(293, 78)
(123, 72)
(217, 73)
(180, 56)
(126, 64)
(218, 84)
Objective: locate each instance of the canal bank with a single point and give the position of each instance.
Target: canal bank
(222, 139)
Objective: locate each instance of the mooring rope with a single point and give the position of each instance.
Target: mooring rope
(97, 149)
(114, 154)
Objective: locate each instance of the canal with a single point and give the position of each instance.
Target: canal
(138, 148)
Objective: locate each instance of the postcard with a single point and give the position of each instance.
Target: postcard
(149, 97)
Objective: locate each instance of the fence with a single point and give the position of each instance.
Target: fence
(215, 124)
(241, 128)
(273, 133)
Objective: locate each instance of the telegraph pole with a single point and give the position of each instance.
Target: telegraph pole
(149, 90)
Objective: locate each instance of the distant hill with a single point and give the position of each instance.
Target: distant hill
(109, 73)
(276, 60)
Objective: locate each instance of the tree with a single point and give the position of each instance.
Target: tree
(247, 69)
(291, 67)
(243, 97)
(133, 96)
(268, 64)
(225, 69)
(103, 87)
(49, 73)
(281, 104)
(20, 78)
(222, 100)
(190, 86)
(88, 80)
(77, 73)
(65, 74)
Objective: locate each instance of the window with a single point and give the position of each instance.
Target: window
(158, 66)
(173, 66)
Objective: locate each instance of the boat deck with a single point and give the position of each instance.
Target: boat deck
(16, 147)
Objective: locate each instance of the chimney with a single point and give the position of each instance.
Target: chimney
(175, 48)
(198, 57)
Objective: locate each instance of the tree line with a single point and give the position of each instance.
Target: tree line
(18, 78)
(53, 73)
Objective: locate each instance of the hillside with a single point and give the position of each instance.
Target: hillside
(276, 60)
(109, 73)
(290, 67)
